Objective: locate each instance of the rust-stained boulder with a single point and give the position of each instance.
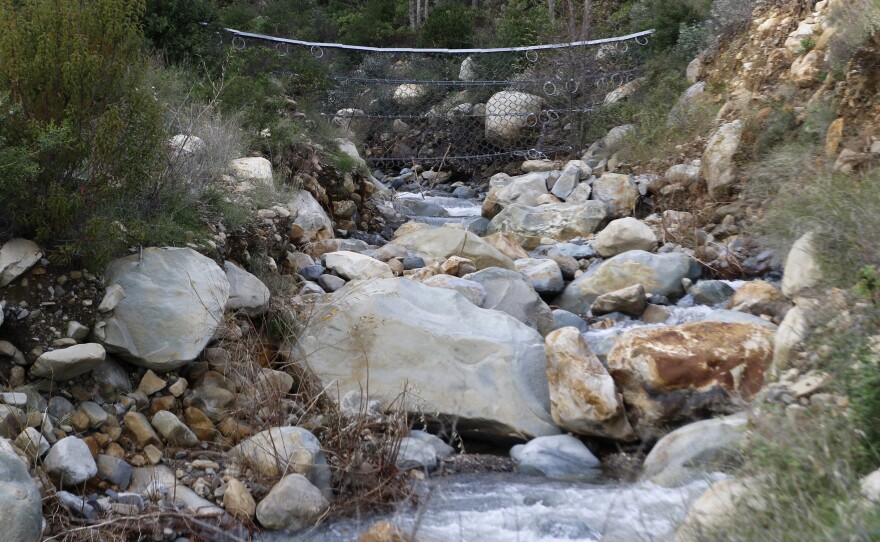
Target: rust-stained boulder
(673, 375)
(583, 397)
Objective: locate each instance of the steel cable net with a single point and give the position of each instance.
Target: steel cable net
(457, 108)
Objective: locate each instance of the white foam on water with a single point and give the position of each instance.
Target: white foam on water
(456, 207)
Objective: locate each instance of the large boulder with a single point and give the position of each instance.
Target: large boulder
(525, 190)
(618, 192)
(507, 291)
(718, 166)
(253, 168)
(20, 501)
(508, 112)
(441, 243)
(690, 451)
(623, 235)
(583, 397)
(560, 221)
(247, 293)
(282, 450)
(482, 367)
(174, 300)
(16, 257)
(659, 274)
(311, 217)
(677, 374)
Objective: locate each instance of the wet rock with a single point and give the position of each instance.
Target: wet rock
(710, 292)
(583, 396)
(561, 457)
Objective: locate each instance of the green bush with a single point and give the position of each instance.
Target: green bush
(449, 25)
(91, 134)
(522, 22)
(175, 27)
(378, 23)
(668, 18)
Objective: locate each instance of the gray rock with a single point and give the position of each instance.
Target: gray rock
(686, 453)
(623, 235)
(441, 243)
(710, 292)
(311, 272)
(717, 164)
(331, 283)
(76, 506)
(20, 501)
(630, 301)
(545, 276)
(16, 257)
(174, 431)
(442, 449)
(464, 192)
(473, 291)
(292, 504)
(659, 274)
(560, 221)
(728, 316)
(802, 269)
(247, 293)
(67, 363)
(59, 407)
(32, 442)
(175, 301)
(507, 291)
(97, 415)
(114, 470)
(561, 457)
(113, 375)
(414, 453)
(77, 331)
(566, 182)
(311, 217)
(12, 419)
(353, 266)
(562, 318)
(413, 262)
(277, 451)
(397, 333)
(618, 192)
(161, 481)
(70, 462)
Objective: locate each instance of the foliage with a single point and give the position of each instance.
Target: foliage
(668, 18)
(857, 21)
(522, 22)
(175, 27)
(449, 25)
(373, 22)
(83, 132)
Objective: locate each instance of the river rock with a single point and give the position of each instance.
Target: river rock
(802, 270)
(507, 291)
(618, 192)
(238, 501)
(311, 217)
(67, 363)
(623, 235)
(20, 501)
(419, 207)
(659, 274)
(718, 508)
(281, 450)
(690, 451)
(507, 245)
(726, 316)
(354, 266)
(583, 397)
(175, 300)
(482, 367)
(568, 181)
(561, 221)
(507, 113)
(413, 453)
(544, 275)
(161, 480)
(16, 257)
(563, 319)
(759, 297)
(247, 293)
(710, 292)
(561, 457)
(292, 504)
(442, 449)
(472, 291)
(673, 375)
(70, 462)
(523, 189)
(174, 431)
(331, 283)
(441, 243)
(631, 301)
(717, 164)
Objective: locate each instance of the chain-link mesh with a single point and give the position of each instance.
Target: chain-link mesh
(459, 107)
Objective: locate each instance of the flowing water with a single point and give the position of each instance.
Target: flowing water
(513, 507)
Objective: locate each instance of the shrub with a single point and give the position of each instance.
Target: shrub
(668, 18)
(449, 25)
(375, 22)
(92, 135)
(522, 22)
(856, 22)
(175, 27)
